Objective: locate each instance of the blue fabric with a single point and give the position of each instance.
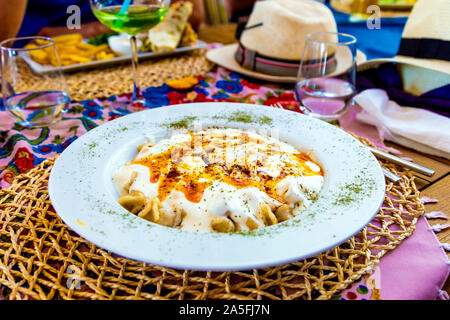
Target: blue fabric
(386, 77)
(43, 13)
(375, 43)
(381, 43)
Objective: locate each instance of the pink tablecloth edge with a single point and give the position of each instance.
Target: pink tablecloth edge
(421, 278)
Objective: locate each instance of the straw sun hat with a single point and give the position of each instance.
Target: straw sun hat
(272, 41)
(423, 57)
(426, 38)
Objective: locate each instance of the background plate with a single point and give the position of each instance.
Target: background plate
(84, 196)
(39, 68)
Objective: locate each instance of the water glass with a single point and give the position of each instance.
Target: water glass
(131, 17)
(33, 99)
(325, 83)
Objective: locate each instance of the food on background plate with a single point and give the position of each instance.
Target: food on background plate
(218, 180)
(120, 44)
(102, 38)
(167, 34)
(71, 50)
(189, 37)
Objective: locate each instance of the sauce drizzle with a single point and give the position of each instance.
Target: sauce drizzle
(192, 166)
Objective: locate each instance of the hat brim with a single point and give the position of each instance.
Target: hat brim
(435, 65)
(224, 56)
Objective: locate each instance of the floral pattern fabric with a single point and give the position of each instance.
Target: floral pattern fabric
(23, 149)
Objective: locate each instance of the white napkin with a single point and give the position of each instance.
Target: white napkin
(414, 128)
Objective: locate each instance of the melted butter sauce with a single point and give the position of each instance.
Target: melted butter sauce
(223, 157)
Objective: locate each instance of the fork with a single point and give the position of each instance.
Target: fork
(277, 105)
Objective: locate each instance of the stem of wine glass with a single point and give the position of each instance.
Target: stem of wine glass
(134, 61)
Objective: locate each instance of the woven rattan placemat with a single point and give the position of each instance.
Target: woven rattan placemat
(118, 79)
(41, 258)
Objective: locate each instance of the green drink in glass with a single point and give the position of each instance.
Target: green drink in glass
(131, 17)
(137, 19)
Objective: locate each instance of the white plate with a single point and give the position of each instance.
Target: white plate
(39, 68)
(84, 196)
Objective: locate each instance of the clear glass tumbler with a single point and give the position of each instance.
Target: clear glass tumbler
(34, 99)
(326, 78)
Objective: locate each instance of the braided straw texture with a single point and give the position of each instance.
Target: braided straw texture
(41, 258)
(118, 79)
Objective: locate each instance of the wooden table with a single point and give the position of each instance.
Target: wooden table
(436, 187)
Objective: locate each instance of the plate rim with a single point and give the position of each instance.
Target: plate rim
(242, 266)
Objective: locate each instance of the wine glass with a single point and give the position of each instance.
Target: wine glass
(325, 84)
(33, 99)
(131, 17)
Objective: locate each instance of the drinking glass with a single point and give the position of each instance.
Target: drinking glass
(33, 99)
(325, 83)
(131, 17)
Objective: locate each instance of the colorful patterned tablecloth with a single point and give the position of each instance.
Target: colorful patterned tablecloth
(23, 149)
(399, 276)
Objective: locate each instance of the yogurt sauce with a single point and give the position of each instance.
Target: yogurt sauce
(291, 177)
